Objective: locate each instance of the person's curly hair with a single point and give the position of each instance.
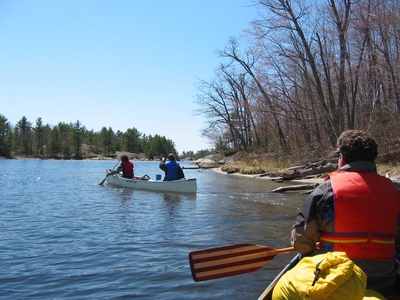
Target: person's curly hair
(357, 145)
(124, 157)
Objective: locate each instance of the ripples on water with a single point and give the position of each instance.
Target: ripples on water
(64, 236)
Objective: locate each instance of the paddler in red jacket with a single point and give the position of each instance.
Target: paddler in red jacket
(356, 211)
(126, 167)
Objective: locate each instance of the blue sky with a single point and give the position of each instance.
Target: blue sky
(119, 64)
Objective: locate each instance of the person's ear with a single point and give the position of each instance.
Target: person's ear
(342, 161)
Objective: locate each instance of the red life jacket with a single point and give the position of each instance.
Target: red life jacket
(127, 171)
(367, 208)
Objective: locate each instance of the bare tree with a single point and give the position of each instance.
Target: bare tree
(310, 71)
(218, 107)
(248, 63)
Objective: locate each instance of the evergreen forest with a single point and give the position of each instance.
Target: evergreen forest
(74, 141)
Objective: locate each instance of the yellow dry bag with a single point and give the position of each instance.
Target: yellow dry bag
(332, 275)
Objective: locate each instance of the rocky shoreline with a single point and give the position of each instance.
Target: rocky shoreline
(217, 162)
(317, 180)
(307, 176)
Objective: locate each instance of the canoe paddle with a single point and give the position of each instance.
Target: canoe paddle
(231, 260)
(268, 290)
(101, 183)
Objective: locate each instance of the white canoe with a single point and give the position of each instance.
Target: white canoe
(180, 186)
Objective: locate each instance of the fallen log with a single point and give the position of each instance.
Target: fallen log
(262, 175)
(296, 167)
(313, 171)
(295, 187)
(322, 162)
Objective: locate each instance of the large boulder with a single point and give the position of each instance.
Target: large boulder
(206, 163)
(210, 161)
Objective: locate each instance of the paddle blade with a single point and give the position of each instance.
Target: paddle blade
(230, 260)
(101, 183)
(109, 171)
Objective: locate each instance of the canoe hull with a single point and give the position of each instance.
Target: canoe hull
(176, 186)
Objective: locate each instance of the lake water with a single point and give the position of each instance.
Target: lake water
(64, 236)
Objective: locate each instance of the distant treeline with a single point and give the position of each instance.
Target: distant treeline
(73, 140)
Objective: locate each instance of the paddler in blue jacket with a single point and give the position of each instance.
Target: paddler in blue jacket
(171, 168)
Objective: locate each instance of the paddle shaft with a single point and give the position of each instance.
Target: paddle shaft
(231, 260)
(102, 182)
(266, 295)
